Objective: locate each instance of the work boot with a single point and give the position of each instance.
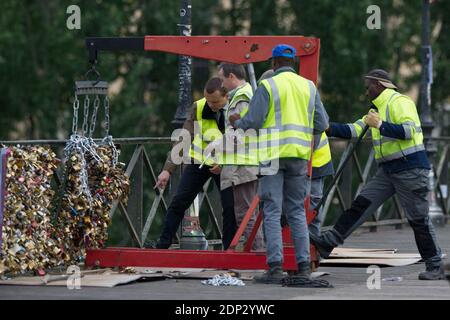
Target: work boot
(272, 276)
(433, 273)
(323, 247)
(303, 271)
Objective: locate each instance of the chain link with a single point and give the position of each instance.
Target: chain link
(108, 140)
(82, 146)
(86, 115)
(76, 106)
(75, 146)
(94, 115)
(224, 280)
(107, 120)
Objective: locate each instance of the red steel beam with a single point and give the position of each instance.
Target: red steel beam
(251, 238)
(244, 224)
(125, 257)
(239, 49)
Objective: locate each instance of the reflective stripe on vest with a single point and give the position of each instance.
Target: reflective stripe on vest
(356, 128)
(387, 148)
(246, 152)
(245, 93)
(289, 122)
(322, 154)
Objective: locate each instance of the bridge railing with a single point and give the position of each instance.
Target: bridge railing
(140, 220)
(363, 166)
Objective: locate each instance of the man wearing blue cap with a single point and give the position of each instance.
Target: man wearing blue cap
(288, 112)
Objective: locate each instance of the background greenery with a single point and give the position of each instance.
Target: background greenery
(40, 58)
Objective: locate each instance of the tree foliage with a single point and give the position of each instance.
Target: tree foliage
(40, 58)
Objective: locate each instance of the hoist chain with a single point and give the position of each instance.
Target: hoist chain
(94, 116)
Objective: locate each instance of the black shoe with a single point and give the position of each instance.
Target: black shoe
(321, 245)
(272, 276)
(433, 273)
(161, 245)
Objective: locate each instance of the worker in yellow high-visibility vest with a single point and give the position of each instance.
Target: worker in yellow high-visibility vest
(322, 166)
(239, 170)
(287, 111)
(403, 170)
(205, 123)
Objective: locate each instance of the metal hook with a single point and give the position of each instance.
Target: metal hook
(93, 70)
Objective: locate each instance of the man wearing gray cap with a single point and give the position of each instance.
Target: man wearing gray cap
(403, 170)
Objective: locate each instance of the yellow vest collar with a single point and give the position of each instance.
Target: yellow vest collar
(383, 98)
(233, 92)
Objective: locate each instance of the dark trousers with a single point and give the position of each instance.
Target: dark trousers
(411, 188)
(191, 183)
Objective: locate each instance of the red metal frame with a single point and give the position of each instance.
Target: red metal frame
(233, 49)
(239, 49)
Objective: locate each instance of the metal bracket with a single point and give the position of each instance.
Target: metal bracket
(89, 87)
(112, 44)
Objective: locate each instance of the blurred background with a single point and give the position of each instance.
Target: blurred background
(40, 58)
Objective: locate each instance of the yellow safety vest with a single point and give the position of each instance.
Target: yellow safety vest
(206, 132)
(395, 108)
(246, 152)
(245, 93)
(322, 154)
(289, 123)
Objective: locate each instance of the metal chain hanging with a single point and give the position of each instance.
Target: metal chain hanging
(94, 115)
(86, 106)
(92, 179)
(76, 107)
(108, 138)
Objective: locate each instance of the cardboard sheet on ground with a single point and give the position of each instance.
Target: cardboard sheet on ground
(107, 280)
(359, 257)
(186, 273)
(343, 250)
(372, 255)
(356, 262)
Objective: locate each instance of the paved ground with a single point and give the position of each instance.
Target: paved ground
(349, 283)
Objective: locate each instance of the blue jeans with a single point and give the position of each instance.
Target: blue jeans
(286, 190)
(315, 196)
